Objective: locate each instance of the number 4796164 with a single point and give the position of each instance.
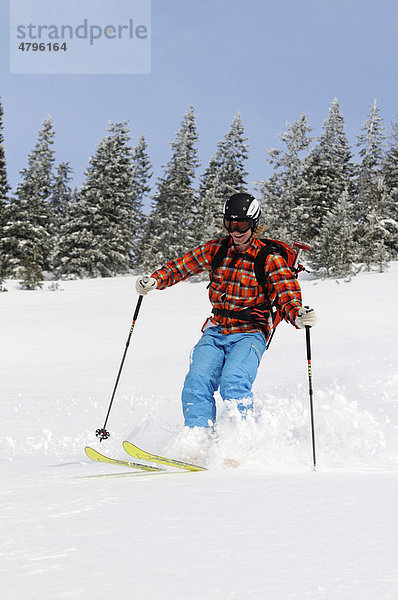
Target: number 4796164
(42, 46)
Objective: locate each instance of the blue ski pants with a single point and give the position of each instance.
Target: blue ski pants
(225, 361)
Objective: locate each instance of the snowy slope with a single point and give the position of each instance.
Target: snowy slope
(270, 529)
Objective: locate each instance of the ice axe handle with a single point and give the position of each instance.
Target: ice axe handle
(300, 247)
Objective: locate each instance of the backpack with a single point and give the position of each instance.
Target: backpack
(257, 313)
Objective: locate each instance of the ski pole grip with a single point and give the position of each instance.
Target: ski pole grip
(308, 342)
(145, 279)
(137, 310)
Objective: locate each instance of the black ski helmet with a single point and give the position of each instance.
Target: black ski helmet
(242, 206)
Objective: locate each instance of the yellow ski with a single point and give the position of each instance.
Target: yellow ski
(98, 457)
(170, 462)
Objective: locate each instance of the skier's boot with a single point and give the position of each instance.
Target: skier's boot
(193, 444)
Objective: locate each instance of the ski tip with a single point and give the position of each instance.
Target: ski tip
(91, 452)
(133, 450)
(98, 457)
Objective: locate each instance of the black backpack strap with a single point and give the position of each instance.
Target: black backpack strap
(259, 266)
(218, 258)
(270, 247)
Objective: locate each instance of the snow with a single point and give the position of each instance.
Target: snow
(272, 528)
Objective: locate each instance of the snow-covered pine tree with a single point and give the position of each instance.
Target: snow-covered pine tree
(371, 144)
(333, 252)
(283, 211)
(208, 221)
(97, 240)
(142, 172)
(59, 211)
(371, 149)
(375, 233)
(169, 232)
(232, 153)
(4, 190)
(225, 175)
(30, 270)
(69, 258)
(390, 182)
(26, 236)
(61, 196)
(327, 173)
(390, 188)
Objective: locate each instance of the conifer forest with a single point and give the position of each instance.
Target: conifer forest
(317, 193)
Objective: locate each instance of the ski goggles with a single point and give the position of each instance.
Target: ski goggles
(239, 225)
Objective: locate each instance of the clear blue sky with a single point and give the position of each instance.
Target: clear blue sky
(269, 59)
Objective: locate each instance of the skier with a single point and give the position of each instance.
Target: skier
(229, 352)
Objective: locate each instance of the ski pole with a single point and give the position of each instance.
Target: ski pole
(308, 342)
(103, 434)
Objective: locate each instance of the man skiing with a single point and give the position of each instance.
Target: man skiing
(235, 337)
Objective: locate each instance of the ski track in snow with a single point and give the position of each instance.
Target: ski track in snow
(271, 528)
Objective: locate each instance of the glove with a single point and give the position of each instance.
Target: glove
(145, 284)
(306, 317)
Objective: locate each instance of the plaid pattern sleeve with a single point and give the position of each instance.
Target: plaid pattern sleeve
(284, 286)
(194, 262)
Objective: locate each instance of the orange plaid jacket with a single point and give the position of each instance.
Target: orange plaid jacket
(234, 285)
